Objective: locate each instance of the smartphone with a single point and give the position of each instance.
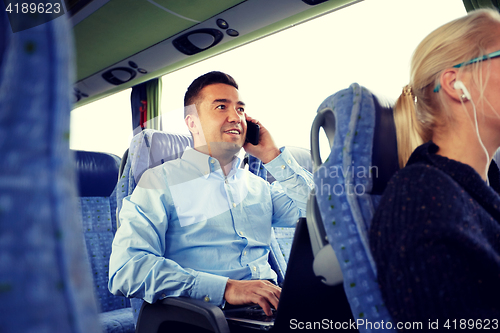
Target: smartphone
(253, 131)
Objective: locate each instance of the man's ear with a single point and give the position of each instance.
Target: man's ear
(192, 124)
(192, 121)
(448, 79)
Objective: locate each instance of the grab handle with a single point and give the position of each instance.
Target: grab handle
(326, 119)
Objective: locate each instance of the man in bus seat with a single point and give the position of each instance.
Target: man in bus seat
(200, 226)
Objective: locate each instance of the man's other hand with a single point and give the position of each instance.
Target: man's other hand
(260, 292)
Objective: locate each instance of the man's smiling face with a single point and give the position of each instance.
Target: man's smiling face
(222, 116)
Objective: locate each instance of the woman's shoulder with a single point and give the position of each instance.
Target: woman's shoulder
(420, 192)
(420, 177)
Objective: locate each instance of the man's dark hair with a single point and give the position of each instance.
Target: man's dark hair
(201, 82)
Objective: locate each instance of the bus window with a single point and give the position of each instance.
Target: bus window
(103, 126)
(283, 78)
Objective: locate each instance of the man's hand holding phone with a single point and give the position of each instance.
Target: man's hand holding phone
(266, 150)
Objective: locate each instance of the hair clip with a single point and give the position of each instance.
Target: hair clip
(407, 90)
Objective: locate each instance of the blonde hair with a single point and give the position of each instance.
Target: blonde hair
(418, 109)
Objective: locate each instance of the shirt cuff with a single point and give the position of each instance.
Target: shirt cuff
(283, 166)
(209, 288)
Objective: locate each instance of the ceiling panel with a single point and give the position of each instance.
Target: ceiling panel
(122, 28)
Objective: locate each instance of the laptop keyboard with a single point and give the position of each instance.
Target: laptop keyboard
(256, 313)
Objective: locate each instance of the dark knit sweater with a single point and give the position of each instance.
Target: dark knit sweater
(435, 239)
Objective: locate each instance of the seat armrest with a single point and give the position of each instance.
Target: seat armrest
(181, 310)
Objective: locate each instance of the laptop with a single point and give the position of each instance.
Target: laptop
(251, 317)
(304, 298)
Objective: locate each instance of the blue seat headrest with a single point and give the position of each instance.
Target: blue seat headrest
(151, 148)
(384, 154)
(97, 173)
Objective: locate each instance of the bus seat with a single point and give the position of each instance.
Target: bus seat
(148, 149)
(97, 178)
(348, 187)
(45, 282)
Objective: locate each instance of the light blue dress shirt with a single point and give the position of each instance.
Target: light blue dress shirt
(187, 228)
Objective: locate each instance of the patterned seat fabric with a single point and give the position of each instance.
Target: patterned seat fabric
(97, 178)
(345, 185)
(45, 282)
(147, 149)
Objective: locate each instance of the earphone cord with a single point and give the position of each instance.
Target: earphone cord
(481, 141)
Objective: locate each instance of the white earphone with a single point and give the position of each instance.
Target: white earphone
(460, 85)
(465, 93)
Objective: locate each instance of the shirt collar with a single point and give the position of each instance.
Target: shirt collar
(205, 163)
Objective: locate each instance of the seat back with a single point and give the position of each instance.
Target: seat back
(97, 178)
(349, 185)
(148, 149)
(45, 282)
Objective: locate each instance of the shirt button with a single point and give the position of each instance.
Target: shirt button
(283, 166)
(254, 269)
(207, 299)
(212, 161)
(240, 233)
(289, 161)
(234, 205)
(245, 253)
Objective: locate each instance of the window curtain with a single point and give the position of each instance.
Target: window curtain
(471, 5)
(145, 100)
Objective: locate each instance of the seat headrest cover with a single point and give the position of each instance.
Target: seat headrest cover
(97, 173)
(385, 149)
(151, 148)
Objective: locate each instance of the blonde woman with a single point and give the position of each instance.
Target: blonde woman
(435, 237)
